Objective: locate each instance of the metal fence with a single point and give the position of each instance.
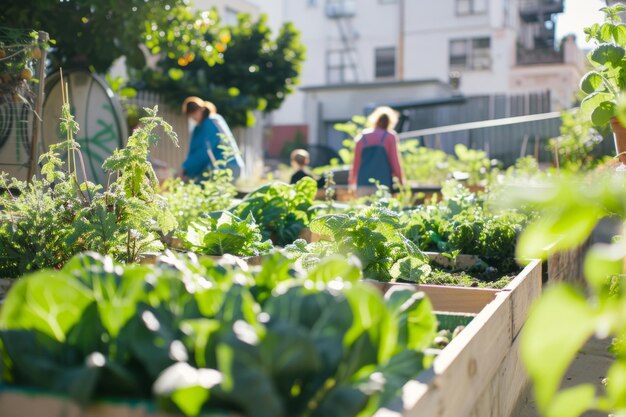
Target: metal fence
(504, 139)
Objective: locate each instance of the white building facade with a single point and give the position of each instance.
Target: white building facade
(361, 52)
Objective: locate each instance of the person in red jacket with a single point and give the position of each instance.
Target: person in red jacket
(376, 155)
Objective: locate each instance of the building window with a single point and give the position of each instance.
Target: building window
(385, 62)
(469, 7)
(470, 54)
(311, 3)
(336, 66)
(387, 1)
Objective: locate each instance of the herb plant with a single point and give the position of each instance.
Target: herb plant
(50, 219)
(281, 210)
(188, 200)
(221, 232)
(605, 82)
(197, 336)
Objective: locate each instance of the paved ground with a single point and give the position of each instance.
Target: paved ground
(590, 366)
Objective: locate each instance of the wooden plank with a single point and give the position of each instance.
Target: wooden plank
(524, 289)
(510, 382)
(479, 374)
(465, 367)
(448, 298)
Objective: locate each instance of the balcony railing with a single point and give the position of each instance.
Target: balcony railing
(538, 56)
(531, 8)
(340, 8)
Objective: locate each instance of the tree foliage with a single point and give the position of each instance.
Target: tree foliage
(257, 70)
(93, 33)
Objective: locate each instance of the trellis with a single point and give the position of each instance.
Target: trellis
(22, 66)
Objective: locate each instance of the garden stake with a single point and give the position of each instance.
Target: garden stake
(41, 63)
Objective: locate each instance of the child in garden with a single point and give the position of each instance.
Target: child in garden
(300, 161)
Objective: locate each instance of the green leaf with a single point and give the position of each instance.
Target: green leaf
(603, 113)
(190, 399)
(607, 54)
(606, 32)
(333, 268)
(416, 320)
(117, 297)
(616, 385)
(410, 269)
(175, 73)
(572, 402)
(187, 386)
(601, 262)
(48, 301)
(593, 100)
(390, 378)
(343, 401)
(558, 326)
(372, 320)
(619, 34)
(591, 82)
(330, 224)
(568, 227)
(198, 332)
(128, 92)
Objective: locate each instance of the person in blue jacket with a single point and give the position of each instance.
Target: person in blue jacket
(208, 138)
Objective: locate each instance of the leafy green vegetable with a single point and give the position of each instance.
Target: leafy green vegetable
(373, 236)
(281, 210)
(221, 232)
(460, 223)
(188, 200)
(199, 336)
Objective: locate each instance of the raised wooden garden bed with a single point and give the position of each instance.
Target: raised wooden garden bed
(479, 373)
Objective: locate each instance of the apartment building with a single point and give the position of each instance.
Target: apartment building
(365, 52)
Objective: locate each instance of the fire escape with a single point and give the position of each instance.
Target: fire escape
(342, 62)
(537, 39)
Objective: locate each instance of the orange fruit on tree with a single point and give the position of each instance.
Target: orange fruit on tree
(26, 74)
(36, 52)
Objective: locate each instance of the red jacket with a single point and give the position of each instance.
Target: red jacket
(391, 147)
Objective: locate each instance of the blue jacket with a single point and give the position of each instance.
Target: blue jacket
(204, 137)
(235, 163)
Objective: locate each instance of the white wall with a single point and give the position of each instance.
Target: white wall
(241, 6)
(429, 27)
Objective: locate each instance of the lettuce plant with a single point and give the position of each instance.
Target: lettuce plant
(221, 232)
